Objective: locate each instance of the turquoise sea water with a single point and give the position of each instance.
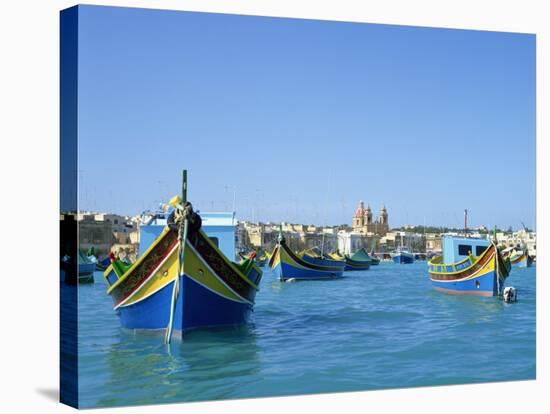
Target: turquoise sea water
(382, 328)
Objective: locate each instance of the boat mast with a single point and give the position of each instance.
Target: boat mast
(326, 214)
(465, 222)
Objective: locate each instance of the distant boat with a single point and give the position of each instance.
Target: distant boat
(519, 257)
(314, 256)
(102, 264)
(420, 256)
(288, 265)
(259, 260)
(360, 260)
(469, 267)
(375, 261)
(402, 255)
(84, 269)
(210, 290)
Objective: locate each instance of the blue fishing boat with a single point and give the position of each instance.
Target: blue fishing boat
(469, 267)
(403, 256)
(183, 280)
(287, 265)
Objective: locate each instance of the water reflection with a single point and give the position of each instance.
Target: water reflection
(204, 365)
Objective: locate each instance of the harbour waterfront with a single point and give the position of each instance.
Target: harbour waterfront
(381, 328)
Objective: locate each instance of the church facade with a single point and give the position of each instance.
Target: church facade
(363, 221)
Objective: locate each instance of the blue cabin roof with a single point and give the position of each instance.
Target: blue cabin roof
(456, 248)
(219, 226)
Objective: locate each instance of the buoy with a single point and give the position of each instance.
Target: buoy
(510, 294)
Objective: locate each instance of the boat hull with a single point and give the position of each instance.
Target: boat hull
(352, 265)
(211, 292)
(85, 273)
(403, 258)
(360, 261)
(286, 265)
(483, 285)
(523, 261)
(194, 309)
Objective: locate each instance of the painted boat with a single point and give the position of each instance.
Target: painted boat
(259, 260)
(460, 272)
(403, 256)
(360, 260)
(316, 257)
(374, 261)
(211, 291)
(102, 264)
(287, 265)
(85, 270)
(520, 258)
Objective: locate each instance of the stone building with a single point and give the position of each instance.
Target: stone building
(433, 243)
(104, 231)
(94, 233)
(363, 221)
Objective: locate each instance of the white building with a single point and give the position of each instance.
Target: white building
(519, 238)
(349, 242)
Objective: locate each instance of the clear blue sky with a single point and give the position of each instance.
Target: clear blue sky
(301, 119)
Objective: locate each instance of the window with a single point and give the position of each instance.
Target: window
(480, 250)
(215, 241)
(464, 249)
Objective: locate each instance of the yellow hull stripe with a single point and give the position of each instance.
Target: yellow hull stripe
(283, 256)
(486, 268)
(194, 268)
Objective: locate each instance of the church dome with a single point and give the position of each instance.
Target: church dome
(360, 209)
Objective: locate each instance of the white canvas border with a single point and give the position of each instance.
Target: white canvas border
(30, 168)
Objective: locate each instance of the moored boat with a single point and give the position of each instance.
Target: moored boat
(360, 260)
(288, 265)
(261, 260)
(84, 267)
(519, 258)
(183, 280)
(374, 260)
(316, 257)
(403, 256)
(102, 264)
(469, 267)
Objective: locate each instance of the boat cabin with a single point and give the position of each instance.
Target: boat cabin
(456, 249)
(218, 226)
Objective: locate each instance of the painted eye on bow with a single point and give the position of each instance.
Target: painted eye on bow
(201, 272)
(165, 273)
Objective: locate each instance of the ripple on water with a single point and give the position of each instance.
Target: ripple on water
(383, 328)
